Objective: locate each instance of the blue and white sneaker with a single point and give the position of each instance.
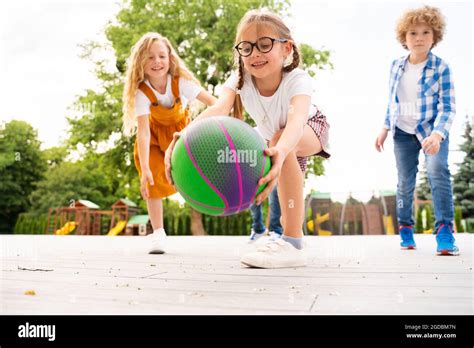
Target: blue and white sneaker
(445, 241)
(254, 236)
(406, 234)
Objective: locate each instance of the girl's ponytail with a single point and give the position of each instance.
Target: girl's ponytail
(238, 108)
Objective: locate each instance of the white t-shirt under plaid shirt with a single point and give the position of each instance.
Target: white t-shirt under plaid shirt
(293, 83)
(407, 97)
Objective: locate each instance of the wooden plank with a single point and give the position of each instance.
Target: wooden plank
(202, 275)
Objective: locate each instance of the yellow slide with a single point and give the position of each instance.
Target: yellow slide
(388, 222)
(118, 228)
(66, 229)
(319, 220)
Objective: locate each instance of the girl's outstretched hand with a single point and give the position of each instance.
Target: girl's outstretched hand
(168, 153)
(271, 178)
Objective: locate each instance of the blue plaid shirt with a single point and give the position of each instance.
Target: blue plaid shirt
(435, 101)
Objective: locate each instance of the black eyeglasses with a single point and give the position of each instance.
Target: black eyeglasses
(263, 44)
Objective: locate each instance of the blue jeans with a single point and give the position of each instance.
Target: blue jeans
(407, 149)
(275, 213)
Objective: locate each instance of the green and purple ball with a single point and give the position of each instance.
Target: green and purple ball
(216, 165)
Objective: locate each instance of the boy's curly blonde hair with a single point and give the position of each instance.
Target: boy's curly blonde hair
(428, 15)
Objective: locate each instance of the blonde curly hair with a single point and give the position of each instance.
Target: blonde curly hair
(135, 75)
(428, 15)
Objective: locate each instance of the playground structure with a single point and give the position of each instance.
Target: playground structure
(67, 228)
(324, 217)
(139, 225)
(353, 217)
(83, 217)
(117, 228)
(122, 211)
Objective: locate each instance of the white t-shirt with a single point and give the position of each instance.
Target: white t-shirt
(407, 94)
(188, 91)
(296, 82)
(258, 132)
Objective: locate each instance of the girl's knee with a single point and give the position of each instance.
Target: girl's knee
(291, 156)
(291, 162)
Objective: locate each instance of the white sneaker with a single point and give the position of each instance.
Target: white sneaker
(273, 236)
(277, 254)
(254, 236)
(157, 242)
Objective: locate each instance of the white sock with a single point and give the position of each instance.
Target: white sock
(158, 230)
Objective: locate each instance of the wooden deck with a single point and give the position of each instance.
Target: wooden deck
(202, 275)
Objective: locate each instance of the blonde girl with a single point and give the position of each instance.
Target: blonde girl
(157, 92)
(277, 95)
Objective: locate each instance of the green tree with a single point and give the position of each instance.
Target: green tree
(419, 220)
(463, 180)
(458, 218)
(21, 166)
(315, 60)
(71, 181)
(429, 217)
(55, 155)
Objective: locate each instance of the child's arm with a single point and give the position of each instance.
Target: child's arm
(446, 104)
(222, 106)
(206, 98)
(143, 139)
(292, 133)
(445, 116)
(384, 132)
(297, 117)
(381, 139)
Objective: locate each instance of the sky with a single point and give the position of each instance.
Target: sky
(41, 73)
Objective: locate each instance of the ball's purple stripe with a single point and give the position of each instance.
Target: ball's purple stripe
(237, 164)
(208, 206)
(191, 157)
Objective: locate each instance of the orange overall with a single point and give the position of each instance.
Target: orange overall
(163, 123)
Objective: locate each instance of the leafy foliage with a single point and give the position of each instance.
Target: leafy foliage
(463, 180)
(21, 166)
